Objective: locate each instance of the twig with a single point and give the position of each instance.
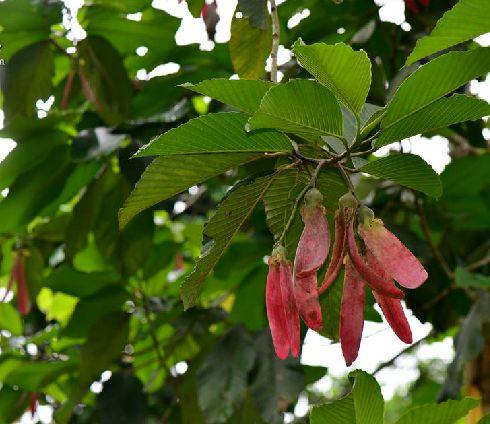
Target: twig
(275, 39)
(478, 264)
(348, 182)
(435, 249)
(153, 336)
(367, 140)
(67, 89)
(437, 298)
(298, 200)
(403, 352)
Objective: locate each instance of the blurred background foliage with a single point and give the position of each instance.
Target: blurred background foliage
(106, 339)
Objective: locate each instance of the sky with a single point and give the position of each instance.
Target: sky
(379, 343)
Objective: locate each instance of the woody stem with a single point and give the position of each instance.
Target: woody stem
(275, 39)
(348, 182)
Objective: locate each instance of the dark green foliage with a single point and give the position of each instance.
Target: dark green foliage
(132, 195)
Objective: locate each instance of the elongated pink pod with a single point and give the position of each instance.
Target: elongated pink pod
(276, 313)
(374, 280)
(291, 311)
(23, 301)
(307, 301)
(392, 308)
(399, 263)
(342, 217)
(352, 313)
(314, 242)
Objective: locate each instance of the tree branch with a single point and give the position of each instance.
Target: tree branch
(403, 352)
(275, 39)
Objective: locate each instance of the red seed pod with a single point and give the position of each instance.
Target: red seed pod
(392, 308)
(314, 242)
(374, 280)
(398, 262)
(343, 217)
(292, 316)
(281, 309)
(352, 312)
(276, 312)
(23, 301)
(412, 5)
(307, 301)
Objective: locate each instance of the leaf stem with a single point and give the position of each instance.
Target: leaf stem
(275, 39)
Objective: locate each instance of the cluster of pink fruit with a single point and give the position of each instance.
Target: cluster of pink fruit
(293, 291)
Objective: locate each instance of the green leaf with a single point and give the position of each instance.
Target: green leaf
(104, 80)
(27, 154)
(225, 223)
(465, 278)
(442, 413)
(170, 175)
(249, 305)
(90, 309)
(10, 319)
(338, 412)
(242, 94)
(195, 7)
(442, 113)
(13, 404)
(84, 215)
(128, 6)
(434, 80)
(345, 72)
(408, 170)
(466, 176)
(275, 382)
(466, 20)
(249, 48)
(215, 133)
(302, 107)
(223, 375)
(105, 342)
(33, 376)
(368, 401)
(156, 30)
(363, 405)
(28, 78)
(67, 279)
(33, 190)
(256, 11)
(123, 400)
(23, 22)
